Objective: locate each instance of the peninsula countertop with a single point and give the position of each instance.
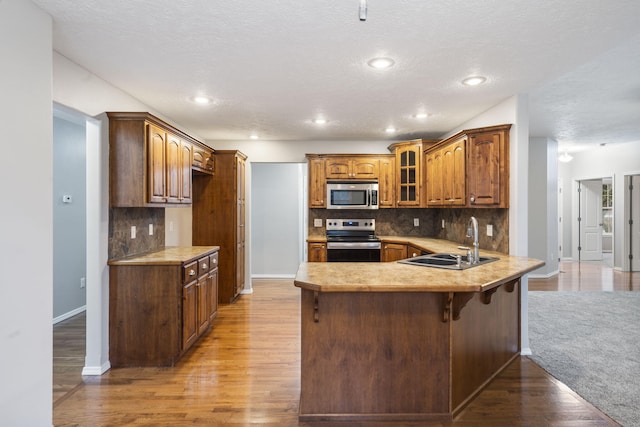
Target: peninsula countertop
(398, 277)
(169, 255)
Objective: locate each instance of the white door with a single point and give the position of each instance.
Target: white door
(591, 220)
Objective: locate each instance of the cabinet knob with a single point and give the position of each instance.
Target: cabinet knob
(204, 265)
(215, 261)
(472, 199)
(192, 272)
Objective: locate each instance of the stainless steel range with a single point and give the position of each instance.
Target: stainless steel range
(352, 240)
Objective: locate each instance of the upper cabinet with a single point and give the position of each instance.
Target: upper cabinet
(317, 182)
(387, 182)
(351, 167)
(408, 172)
(488, 167)
(469, 169)
(150, 161)
(445, 175)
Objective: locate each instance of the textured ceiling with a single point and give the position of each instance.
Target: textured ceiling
(271, 66)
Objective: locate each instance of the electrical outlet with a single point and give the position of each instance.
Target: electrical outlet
(317, 222)
(416, 222)
(133, 231)
(150, 229)
(83, 282)
(489, 230)
(443, 223)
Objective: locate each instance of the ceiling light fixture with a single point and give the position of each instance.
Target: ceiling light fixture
(381, 63)
(474, 81)
(565, 158)
(254, 136)
(421, 115)
(390, 129)
(201, 99)
(320, 121)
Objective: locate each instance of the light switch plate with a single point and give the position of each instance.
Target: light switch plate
(416, 222)
(489, 230)
(317, 222)
(133, 231)
(443, 223)
(150, 229)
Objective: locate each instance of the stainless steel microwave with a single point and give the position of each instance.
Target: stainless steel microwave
(352, 195)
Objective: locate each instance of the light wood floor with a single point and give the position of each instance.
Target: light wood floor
(246, 371)
(587, 276)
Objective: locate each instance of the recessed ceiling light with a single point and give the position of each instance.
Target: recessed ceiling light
(474, 81)
(390, 129)
(381, 63)
(565, 158)
(319, 121)
(202, 99)
(254, 136)
(421, 115)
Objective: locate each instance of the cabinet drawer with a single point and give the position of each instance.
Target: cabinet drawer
(203, 265)
(213, 261)
(189, 272)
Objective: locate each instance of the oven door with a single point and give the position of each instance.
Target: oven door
(353, 251)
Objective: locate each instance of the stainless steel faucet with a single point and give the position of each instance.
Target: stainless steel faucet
(472, 231)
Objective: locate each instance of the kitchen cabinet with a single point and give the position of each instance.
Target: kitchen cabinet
(203, 159)
(219, 216)
(351, 167)
(408, 170)
(488, 167)
(445, 174)
(317, 182)
(387, 182)
(159, 305)
(150, 161)
(317, 252)
(393, 252)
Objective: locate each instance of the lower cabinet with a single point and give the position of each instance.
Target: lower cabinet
(157, 312)
(317, 252)
(393, 252)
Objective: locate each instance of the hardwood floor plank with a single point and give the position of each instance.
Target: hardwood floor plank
(246, 371)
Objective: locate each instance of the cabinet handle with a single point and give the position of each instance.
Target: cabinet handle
(204, 265)
(192, 272)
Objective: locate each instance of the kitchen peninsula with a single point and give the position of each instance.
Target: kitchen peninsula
(390, 341)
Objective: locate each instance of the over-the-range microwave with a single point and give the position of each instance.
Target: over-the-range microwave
(352, 195)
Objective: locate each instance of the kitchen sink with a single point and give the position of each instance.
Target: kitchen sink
(446, 260)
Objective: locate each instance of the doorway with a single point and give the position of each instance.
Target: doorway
(595, 220)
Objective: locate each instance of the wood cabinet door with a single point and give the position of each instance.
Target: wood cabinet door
(413, 251)
(408, 175)
(186, 159)
(365, 168)
(317, 183)
(213, 294)
(338, 168)
(484, 168)
(434, 178)
(156, 178)
(203, 303)
(189, 314)
(387, 183)
(454, 174)
(393, 252)
(173, 168)
(317, 252)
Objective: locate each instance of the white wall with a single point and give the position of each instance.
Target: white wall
(612, 160)
(69, 219)
(26, 229)
(543, 204)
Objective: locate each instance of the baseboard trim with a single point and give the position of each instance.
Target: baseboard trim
(96, 370)
(543, 276)
(69, 314)
(526, 352)
(273, 276)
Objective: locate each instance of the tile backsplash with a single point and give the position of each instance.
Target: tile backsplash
(120, 222)
(399, 222)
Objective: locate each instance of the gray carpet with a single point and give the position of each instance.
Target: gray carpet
(591, 342)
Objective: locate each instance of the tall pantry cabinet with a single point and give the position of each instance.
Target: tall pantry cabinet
(219, 219)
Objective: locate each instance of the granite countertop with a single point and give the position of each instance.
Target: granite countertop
(169, 255)
(397, 277)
